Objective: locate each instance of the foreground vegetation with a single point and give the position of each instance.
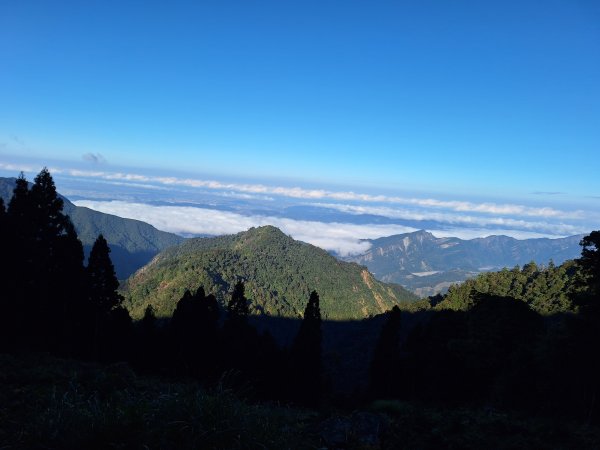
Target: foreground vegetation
(47, 402)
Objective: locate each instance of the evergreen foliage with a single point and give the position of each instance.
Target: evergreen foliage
(148, 352)
(238, 307)
(52, 301)
(194, 333)
(590, 265)
(306, 356)
(548, 290)
(103, 281)
(133, 243)
(385, 376)
(280, 273)
(45, 256)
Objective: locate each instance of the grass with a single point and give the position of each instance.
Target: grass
(46, 402)
(51, 403)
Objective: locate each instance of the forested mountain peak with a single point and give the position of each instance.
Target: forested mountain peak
(279, 272)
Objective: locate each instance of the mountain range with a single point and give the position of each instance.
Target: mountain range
(427, 265)
(132, 242)
(419, 261)
(279, 274)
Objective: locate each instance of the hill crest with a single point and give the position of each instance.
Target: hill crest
(279, 273)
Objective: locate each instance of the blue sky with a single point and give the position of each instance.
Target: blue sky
(466, 100)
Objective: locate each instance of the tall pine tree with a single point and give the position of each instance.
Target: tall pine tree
(238, 307)
(194, 333)
(385, 365)
(46, 257)
(112, 328)
(305, 356)
(102, 280)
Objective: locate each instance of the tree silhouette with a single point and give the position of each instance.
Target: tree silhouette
(240, 340)
(237, 307)
(194, 331)
(590, 264)
(148, 355)
(6, 298)
(19, 207)
(305, 356)
(103, 283)
(587, 329)
(20, 248)
(48, 219)
(46, 257)
(112, 324)
(73, 314)
(385, 365)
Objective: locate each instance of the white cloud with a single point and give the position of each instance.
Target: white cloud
(472, 233)
(489, 216)
(343, 238)
(18, 167)
(322, 194)
(452, 218)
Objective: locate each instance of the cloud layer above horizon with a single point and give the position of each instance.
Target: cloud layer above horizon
(342, 238)
(336, 220)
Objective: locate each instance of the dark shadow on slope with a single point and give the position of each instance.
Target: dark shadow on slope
(126, 263)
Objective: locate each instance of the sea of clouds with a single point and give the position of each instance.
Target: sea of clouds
(339, 220)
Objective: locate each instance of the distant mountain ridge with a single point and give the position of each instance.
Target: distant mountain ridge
(427, 265)
(279, 273)
(132, 242)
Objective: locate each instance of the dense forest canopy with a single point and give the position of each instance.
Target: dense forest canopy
(279, 273)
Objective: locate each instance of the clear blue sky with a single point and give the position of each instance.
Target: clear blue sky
(442, 95)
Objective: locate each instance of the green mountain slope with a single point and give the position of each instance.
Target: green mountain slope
(279, 273)
(133, 243)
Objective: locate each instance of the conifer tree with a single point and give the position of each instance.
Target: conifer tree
(590, 264)
(588, 328)
(185, 333)
(148, 355)
(112, 327)
(46, 257)
(73, 316)
(5, 294)
(20, 245)
(240, 340)
(19, 206)
(48, 219)
(103, 283)
(385, 365)
(305, 356)
(148, 322)
(194, 331)
(237, 307)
